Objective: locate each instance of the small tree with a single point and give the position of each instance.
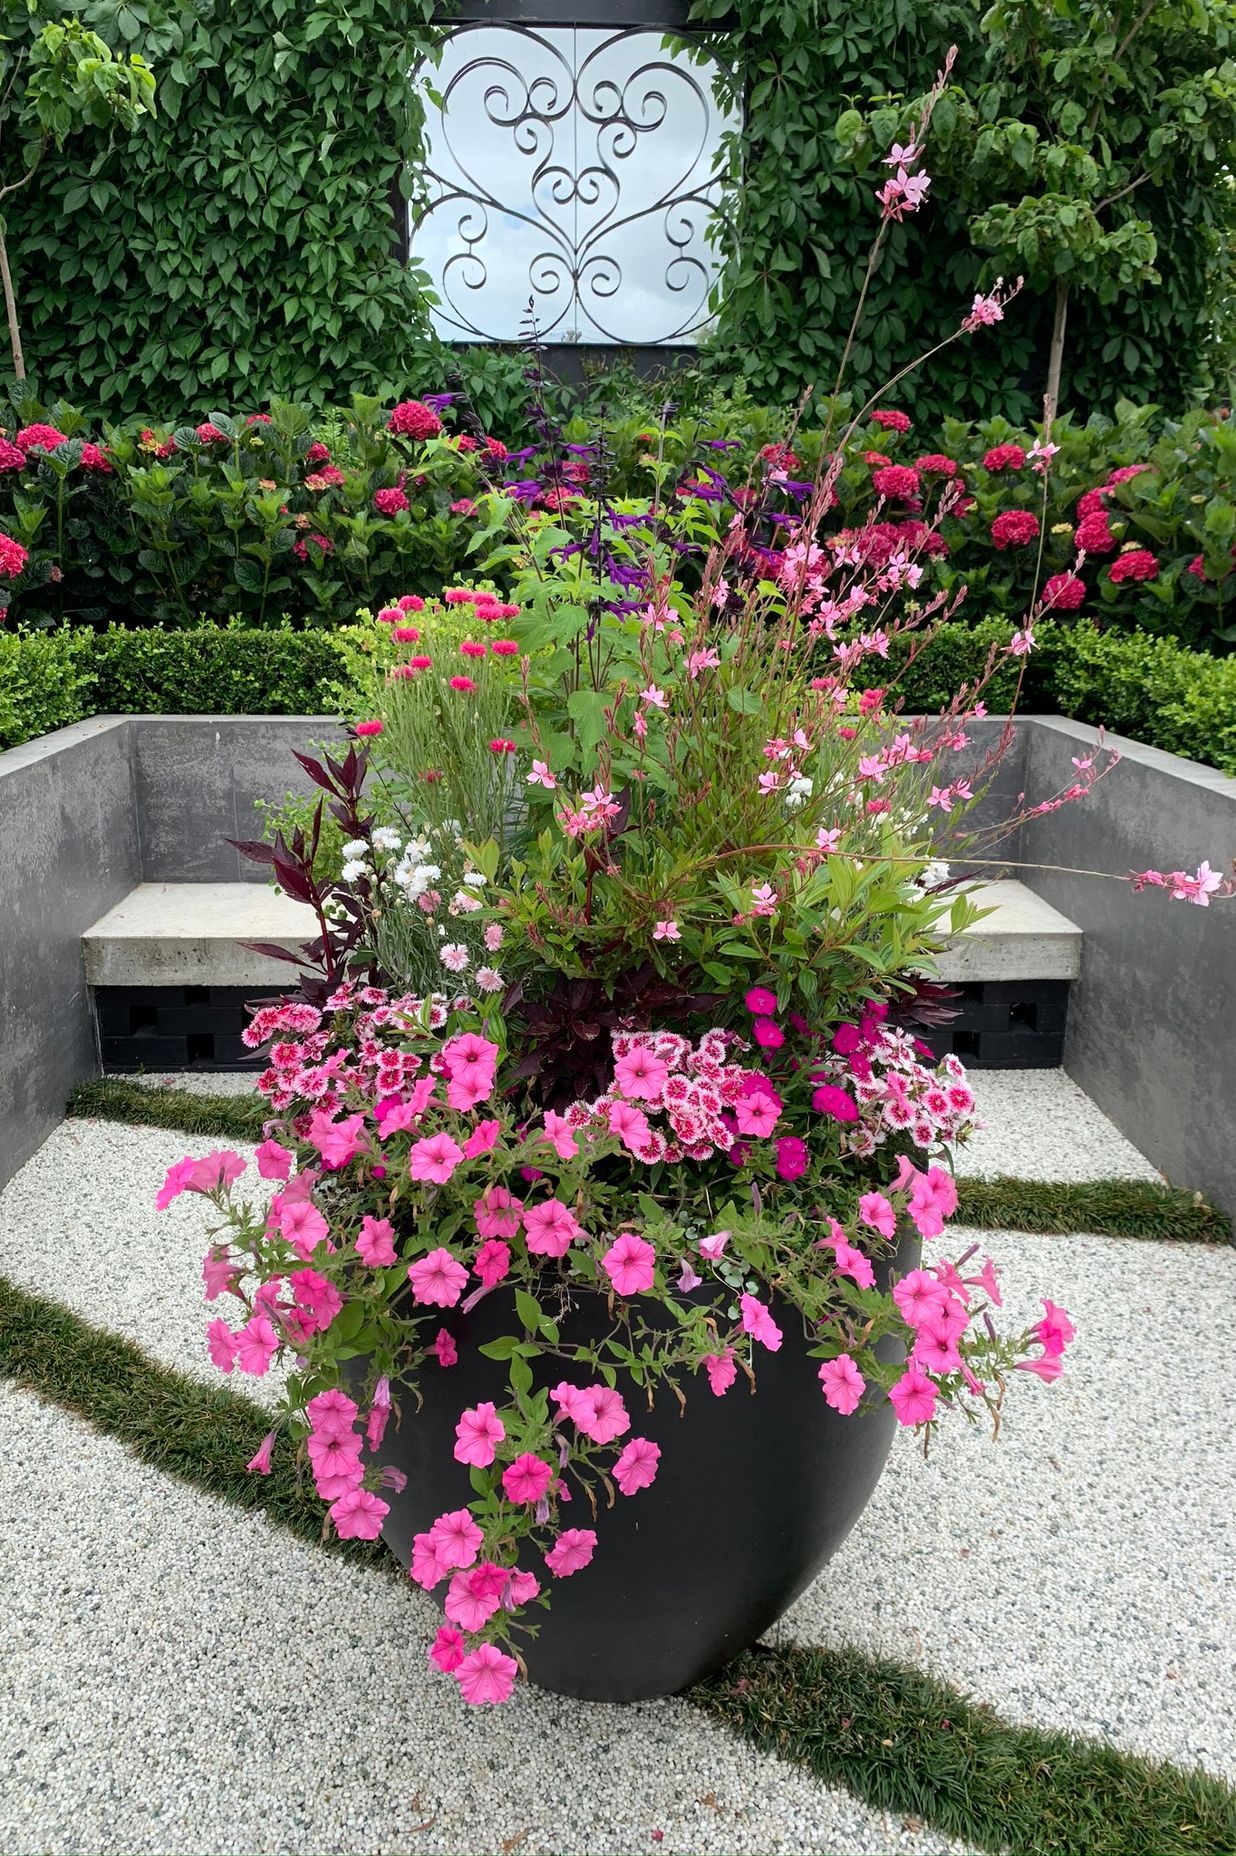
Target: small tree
(57, 78)
(1094, 121)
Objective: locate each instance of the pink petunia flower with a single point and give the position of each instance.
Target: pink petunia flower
(435, 1159)
(758, 1322)
(913, 1397)
(601, 1415)
(571, 1552)
(875, 1211)
(256, 1346)
(497, 1213)
(471, 1600)
(843, 1384)
(493, 1260)
(721, 1371)
(376, 1242)
(447, 1650)
(527, 1478)
(630, 1264)
(455, 1539)
(479, 1432)
(359, 1515)
(487, 1676)
(273, 1161)
(260, 1464)
(550, 1228)
(437, 1280)
(636, 1468)
(640, 1075)
(445, 1348)
(221, 1345)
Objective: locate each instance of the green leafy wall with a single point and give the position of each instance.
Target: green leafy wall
(242, 245)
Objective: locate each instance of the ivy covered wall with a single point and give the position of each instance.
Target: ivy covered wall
(241, 245)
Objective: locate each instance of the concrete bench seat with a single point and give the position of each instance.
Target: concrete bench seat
(1023, 938)
(189, 934)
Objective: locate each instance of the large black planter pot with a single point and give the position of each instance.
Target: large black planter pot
(753, 1495)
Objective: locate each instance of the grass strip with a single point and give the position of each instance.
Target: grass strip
(114, 1098)
(903, 1741)
(1108, 1207)
(200, 1433)
(896, 1738)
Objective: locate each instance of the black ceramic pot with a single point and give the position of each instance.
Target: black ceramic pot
(754, 1493)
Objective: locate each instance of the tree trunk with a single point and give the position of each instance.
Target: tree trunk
(1055, 359)
(10, 307)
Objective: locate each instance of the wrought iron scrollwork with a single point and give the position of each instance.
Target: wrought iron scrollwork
(576, 168)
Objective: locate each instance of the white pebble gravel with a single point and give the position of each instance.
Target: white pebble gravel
(182, 1678)
(1040, 1125)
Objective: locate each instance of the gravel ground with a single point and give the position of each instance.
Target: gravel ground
(1040, 1125)
(244, 1692)
(1080, 1572)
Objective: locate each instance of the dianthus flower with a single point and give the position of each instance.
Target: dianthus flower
(1014, 528)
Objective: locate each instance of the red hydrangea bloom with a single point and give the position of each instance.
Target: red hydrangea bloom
(891, 419)
(1005, 457)
(1093, 535)
(1093, 503)
(211, 435)
(1197, 566)
(322, 542)
(780, 456)
(95, 459)
(13, 558)
(1128, 470)
(1014, 528)
(151, 443)
(936, 465)
(411, 419)
(1137, 564)
(318, 453)
(1064, 592)
(389, 502)
(896, 481)
(10, 457)
(494, 448)
(39, 438)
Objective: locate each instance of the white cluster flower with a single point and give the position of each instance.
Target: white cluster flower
(354, 869)
(474, 879)
(799, 791)
(386, 838)
(356, 847)
(932, 874)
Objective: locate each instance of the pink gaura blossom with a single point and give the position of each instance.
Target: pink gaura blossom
(630, 1264)
(549, 1228)
(843, 1384)
(445, 1348)
(721, 1371)
(640, 1075)
(487, 1676)
(273, 1161)
(455, 1539)
(526, 1479)
(358, 1515)
(758, 1322)
(541, 776)
(256, 1346)
(435, 1159)
(913, 1397)
(438, 1280)
(636, 1467)
(667, 931)
(376, 1243)
(447, 1650)
(479, 1432)
(221, 1345)
(571, 1552)
(493, 1260)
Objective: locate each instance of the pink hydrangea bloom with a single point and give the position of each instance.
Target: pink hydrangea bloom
(479, 1432)
(636, 1467)
(630, 1264)
(843, 1384)
(571, 1552)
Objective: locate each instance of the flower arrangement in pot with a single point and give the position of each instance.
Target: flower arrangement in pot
(605, 1239)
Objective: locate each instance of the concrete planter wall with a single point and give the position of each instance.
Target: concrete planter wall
(88, 812)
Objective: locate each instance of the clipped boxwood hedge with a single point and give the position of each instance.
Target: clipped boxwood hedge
(1151, 689)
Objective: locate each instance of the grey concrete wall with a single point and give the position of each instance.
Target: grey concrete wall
(197, 779)
(1152, 1020)
(69, 849)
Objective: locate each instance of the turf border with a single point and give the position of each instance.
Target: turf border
(1136, 1208)
(897, 1738)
